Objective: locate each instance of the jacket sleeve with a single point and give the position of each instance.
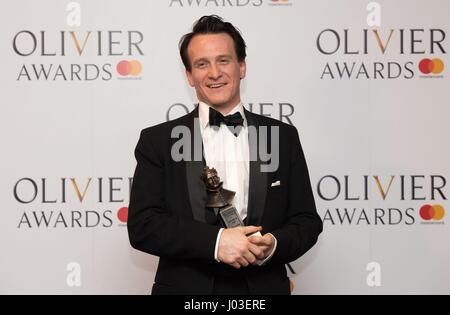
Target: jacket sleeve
(152, 227)
(302, 224)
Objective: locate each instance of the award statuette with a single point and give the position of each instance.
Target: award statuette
(219, 199)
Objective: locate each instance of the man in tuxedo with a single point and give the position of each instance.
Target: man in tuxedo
(167, 213)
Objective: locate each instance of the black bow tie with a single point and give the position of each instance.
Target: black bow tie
(216, 118)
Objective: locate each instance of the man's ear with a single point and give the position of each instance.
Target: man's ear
(189, 77)
(242, 69)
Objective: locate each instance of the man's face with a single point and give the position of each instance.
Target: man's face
(215, 70)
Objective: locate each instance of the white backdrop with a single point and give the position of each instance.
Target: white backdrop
(67, 140)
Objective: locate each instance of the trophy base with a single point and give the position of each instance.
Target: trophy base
(229, 217)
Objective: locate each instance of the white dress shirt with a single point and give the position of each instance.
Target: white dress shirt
(230, 156)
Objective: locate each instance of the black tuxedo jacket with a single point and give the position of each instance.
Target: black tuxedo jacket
(167, 215)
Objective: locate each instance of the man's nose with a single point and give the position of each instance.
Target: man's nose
(214, 72)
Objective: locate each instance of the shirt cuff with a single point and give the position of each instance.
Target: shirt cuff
(216, 249)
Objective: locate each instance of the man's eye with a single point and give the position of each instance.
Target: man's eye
(224, 61)
(201, 65)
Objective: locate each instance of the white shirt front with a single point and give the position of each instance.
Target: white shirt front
(228, 154)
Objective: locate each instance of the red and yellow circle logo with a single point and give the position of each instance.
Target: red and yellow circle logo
(434, 66)
(122, 214)
(435, 212)
(126, 67)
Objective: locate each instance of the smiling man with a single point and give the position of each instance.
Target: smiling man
(216, 70)
(168, 216)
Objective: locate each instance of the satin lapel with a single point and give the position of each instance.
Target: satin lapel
(194, 169)
(258, 180)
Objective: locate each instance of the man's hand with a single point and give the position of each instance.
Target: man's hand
(263, 243)
(235, 248)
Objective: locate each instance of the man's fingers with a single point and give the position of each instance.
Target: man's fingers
(255, 239)
(249, 257)
(251, 229)
(261, 241)
(266, 240)
(242, 261)
(257, 251)
(235, 265)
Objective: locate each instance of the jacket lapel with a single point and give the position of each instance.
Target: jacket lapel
(194, 169)
(258, 180)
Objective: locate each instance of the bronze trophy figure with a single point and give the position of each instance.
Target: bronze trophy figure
(219, 199)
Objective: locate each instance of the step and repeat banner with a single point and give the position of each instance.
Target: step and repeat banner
(365, 83)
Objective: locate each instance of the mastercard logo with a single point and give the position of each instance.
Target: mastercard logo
(122, 214)
(434, 66)
(126, 67)
(435, 212)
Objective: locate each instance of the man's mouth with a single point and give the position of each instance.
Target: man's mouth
(216, 85)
